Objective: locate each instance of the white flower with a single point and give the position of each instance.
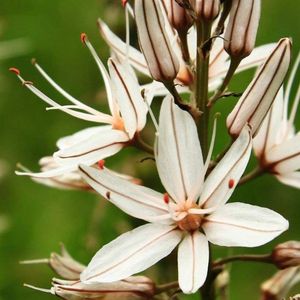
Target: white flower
(193, 213)
(277, 144)
(219, 59)
(88, 146)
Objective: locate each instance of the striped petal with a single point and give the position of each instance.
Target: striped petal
(128, 95)
(131, 253)
(243, 225)
(137, 201)
(179, 157)
(100, 145)
(193, 257)
(221, 182)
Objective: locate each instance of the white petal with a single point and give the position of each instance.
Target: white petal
(267, 135)
(239, 224)
(136, 58)
(100, 145)
(285, 156)
(137, 201)
(179, 158)
(217, 187)
(78, 136)
(128, 95)
(291, 179)
(193, 256)
(132, 252)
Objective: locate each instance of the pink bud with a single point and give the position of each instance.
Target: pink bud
(240, 34)
(162, 61)
(257, 99)
(206, 10)
(287, 254)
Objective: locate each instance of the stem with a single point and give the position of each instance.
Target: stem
(166, 287)
(201, 92)
(263, 258)
(234, 63)
(258, 171)
(142, 145)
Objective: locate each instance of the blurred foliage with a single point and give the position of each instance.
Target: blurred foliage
(37, 218)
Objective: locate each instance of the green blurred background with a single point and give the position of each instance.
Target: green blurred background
(35, 218)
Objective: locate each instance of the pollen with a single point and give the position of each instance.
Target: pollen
(83, 37)
(14, 70)
(166, 198)
(231, 183)
(101, 164)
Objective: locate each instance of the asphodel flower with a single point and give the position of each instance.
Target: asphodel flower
(71, 288)
(240, 33)
(161, 58)
(277, 144)
(257, 99)
(192, 213)
(88, 146)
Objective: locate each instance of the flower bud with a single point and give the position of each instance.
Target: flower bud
(177, 16)
(240, 34)
(162, 61)
(206, 10)
(132, 288)
(278, 286)
(286, 255)
(257, 99)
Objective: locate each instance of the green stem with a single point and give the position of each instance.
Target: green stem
(262, 258)
(184, 47)
(201, 90)
(234, 63)
(258, 171)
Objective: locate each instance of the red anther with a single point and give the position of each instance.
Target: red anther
(83, 37)
(101, 164)
(124, 2)
(166, 198)
(108, 195)
(15, 70)
(33, 61)
(231, 183)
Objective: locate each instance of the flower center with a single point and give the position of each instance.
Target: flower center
(190, 222)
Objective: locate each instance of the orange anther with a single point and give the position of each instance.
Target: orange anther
(83, 37)
(14, 70)
(231, 183)
(101, 164)
(166, 198)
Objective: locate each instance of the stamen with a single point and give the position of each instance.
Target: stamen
(108, 195)
(101, 164)
(14, 70)
(150, 112)
(211, 146)
(231, 183)
(34, 261)
(78, 103)
(49, 291)
(166, 198)
(111, 101)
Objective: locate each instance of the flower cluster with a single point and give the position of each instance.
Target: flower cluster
(189, 50)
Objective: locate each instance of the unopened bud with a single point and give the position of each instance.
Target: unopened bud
(257, 99)
(206, 10)
(240, 34)
(162, 61)
(286, 255)
(278, 286)
(132, 288)
(177, 16)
